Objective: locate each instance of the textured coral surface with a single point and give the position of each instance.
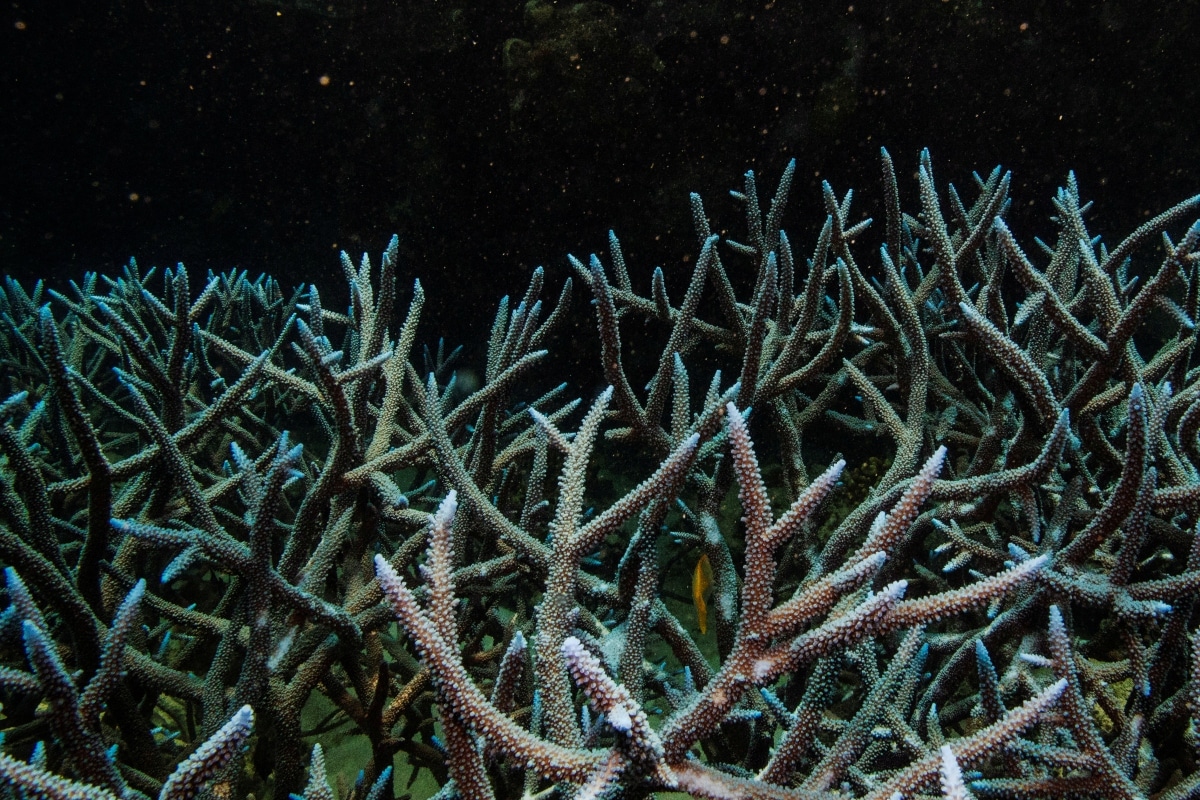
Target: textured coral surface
(945, 486)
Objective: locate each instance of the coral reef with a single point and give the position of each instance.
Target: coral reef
(211, 520)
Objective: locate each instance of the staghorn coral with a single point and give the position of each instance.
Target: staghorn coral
(207, 507)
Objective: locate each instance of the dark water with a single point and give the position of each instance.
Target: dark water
(496, 136)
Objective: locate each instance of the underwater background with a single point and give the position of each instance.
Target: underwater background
(498, 136)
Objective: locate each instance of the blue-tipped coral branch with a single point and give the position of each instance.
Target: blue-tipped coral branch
(210, 511)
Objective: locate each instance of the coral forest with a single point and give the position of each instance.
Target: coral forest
(910, 509)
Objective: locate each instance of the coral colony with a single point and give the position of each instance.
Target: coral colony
(240, 526)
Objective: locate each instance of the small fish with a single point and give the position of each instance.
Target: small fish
(702, 578)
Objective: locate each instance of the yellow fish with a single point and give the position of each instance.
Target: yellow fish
(702, 578)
